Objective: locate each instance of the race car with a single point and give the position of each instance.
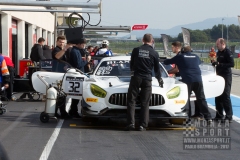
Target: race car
(103, 93)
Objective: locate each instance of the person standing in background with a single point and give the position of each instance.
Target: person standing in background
(11, 70)
(37, 51)
(223, 64)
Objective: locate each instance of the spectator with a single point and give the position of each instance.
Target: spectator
(11, 70)
(212, 55)
(47, 52)
(94, 51)
(4, 76)
(37, 51)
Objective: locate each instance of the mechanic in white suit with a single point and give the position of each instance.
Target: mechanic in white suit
(103, 51)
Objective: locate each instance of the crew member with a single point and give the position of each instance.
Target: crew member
(77, 61)
(223, 68)
(103, 51)
(176, 48)
(188, 65)
(143, 60)
(59, 53)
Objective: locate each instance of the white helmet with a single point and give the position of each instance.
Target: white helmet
(105, 42)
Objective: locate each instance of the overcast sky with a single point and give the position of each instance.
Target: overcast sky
(163, 14)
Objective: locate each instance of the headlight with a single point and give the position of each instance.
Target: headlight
(173, 93)
(98, 91)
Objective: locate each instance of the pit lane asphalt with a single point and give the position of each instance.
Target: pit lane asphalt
(24, 137)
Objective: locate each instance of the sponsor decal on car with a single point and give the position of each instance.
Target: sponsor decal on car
(179, 101)
(92, 99)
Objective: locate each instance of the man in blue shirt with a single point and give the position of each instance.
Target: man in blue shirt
(188, 65)
(77, 61)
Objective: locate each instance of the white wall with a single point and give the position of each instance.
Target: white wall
(6, 25)
(44, 20)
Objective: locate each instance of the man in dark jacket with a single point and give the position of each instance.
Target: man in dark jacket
(143, 60)
(188, 65)
(223, 68)
(37, 51)
(47, 52)
(59, 53)
(78, 55)
(77, 61)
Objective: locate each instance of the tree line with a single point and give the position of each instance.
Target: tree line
(211, 35)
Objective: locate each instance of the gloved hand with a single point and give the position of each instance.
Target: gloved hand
(160, 82)
(214, 64)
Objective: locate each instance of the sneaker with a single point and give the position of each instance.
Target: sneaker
(141, 128)
(130, 127)
(217, 119)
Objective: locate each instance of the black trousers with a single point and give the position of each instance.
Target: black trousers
(223, 102)
(197, 88)
(145, 95)
(74, 106)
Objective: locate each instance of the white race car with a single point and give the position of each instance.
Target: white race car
(104, 92)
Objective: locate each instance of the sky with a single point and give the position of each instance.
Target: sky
(162, 14)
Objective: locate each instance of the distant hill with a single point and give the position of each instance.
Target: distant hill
(206, 24)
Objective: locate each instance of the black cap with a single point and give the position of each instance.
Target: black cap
(74, 34)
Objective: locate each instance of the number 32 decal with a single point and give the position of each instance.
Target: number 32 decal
(74, 87)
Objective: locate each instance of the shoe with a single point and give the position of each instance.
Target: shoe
(218, 119)
(141, 128)
(66, 116)
(57, 115)
(230, 120)
(130, 127)
(75, 115)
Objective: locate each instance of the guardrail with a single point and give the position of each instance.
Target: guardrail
(236, 62)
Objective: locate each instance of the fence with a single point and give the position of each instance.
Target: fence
(236, 62)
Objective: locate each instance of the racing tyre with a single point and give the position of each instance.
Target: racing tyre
(1, 111)
(44, 117)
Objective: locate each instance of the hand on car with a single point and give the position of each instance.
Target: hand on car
(160, 82)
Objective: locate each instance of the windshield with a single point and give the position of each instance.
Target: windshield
(120, 68)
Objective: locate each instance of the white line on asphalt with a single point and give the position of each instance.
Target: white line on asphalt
(51, 141)
(235, 118)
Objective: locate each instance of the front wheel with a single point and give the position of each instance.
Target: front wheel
(44, 117)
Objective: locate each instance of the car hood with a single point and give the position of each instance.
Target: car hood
(123, 82)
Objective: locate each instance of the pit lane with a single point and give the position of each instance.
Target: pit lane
(23, 137)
